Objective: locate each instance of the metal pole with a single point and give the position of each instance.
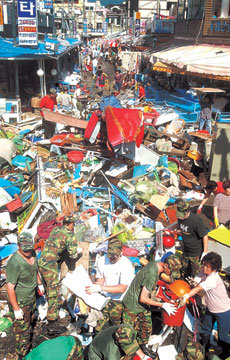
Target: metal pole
(41, 78)
(44, 77)
(17, 91)
(14, 30)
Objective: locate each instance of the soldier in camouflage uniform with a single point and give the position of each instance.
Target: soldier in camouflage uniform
(114, 274)
(115, 343)
(194, 237)
(66, 348)
(60, 239)
(22, 278)
(137, 301)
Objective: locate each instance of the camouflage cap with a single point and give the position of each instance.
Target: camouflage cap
(182, 208)
(175, 265)
(114, 247)
(53, 91)
(25, 241)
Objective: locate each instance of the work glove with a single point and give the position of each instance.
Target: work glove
(94, 288)
(216, 222)
(169, 308)
(79, 251)
(202, 255)
(183, 300)
(18, 314)
(41, 290)
(191, 281)
(199, 210)
(146, 357)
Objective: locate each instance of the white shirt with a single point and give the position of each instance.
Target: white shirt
(77, 93)
(216, 296)
(122, 272)
(94, 62)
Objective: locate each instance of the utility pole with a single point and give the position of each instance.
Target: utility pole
(14, 30)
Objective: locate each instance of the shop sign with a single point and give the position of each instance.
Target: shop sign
(105, 25)
(131, 22)
(1, 18)
(163, 26)
(222, 26)
(48, 4)
(85, 26)
(27, 23)
(137, 24)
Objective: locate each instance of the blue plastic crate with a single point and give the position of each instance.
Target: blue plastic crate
(223, 118)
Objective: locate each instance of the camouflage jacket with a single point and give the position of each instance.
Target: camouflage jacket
(59, 240)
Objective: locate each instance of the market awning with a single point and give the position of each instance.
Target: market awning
(159, 66)
(10, 52)
(206, 60)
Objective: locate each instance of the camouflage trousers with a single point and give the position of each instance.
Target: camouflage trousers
(112, 315)
(52, 292)
(77, 351)
(125, 337)
(23, 329)
(142, 324)
(190, 266)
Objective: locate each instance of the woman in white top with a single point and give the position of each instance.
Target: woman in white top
(216, 299)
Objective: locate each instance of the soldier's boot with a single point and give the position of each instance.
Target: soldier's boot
(205, 342)
(53, 328)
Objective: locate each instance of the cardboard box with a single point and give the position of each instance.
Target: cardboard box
(35, 102)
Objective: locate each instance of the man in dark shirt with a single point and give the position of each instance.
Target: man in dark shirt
(194, 237)
(206, 113)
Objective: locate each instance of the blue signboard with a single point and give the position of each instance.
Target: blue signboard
(27, 9)
(163, 26)
(48, 4)
(85, 26)
(105, 25)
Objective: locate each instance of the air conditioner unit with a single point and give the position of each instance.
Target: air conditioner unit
(51, 46)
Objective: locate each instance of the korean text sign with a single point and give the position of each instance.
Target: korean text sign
(27, 22)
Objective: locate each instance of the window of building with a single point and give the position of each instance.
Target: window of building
(220, 8)
(80, 25)
(181, 10)
(99, 26)
(195, 9)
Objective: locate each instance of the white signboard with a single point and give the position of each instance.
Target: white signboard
(27, 23)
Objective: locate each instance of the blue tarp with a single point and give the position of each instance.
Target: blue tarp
(8, 51)
(112, 2)
(109, 101)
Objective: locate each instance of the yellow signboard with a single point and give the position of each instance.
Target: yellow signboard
(138, 15)
(1, 18)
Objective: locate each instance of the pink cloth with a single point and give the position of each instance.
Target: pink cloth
(216, 296)
(45, 228)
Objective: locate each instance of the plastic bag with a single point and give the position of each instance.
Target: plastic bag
(4, 323)
(125, 236)
(145, 190)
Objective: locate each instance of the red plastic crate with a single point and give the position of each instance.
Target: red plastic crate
(14, 205)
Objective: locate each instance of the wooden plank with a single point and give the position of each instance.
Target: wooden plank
(208, 90)
(64, 119)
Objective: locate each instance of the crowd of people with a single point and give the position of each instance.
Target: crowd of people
(124, 326)
(126, 323)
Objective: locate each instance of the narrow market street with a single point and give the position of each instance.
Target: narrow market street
(115, 181)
